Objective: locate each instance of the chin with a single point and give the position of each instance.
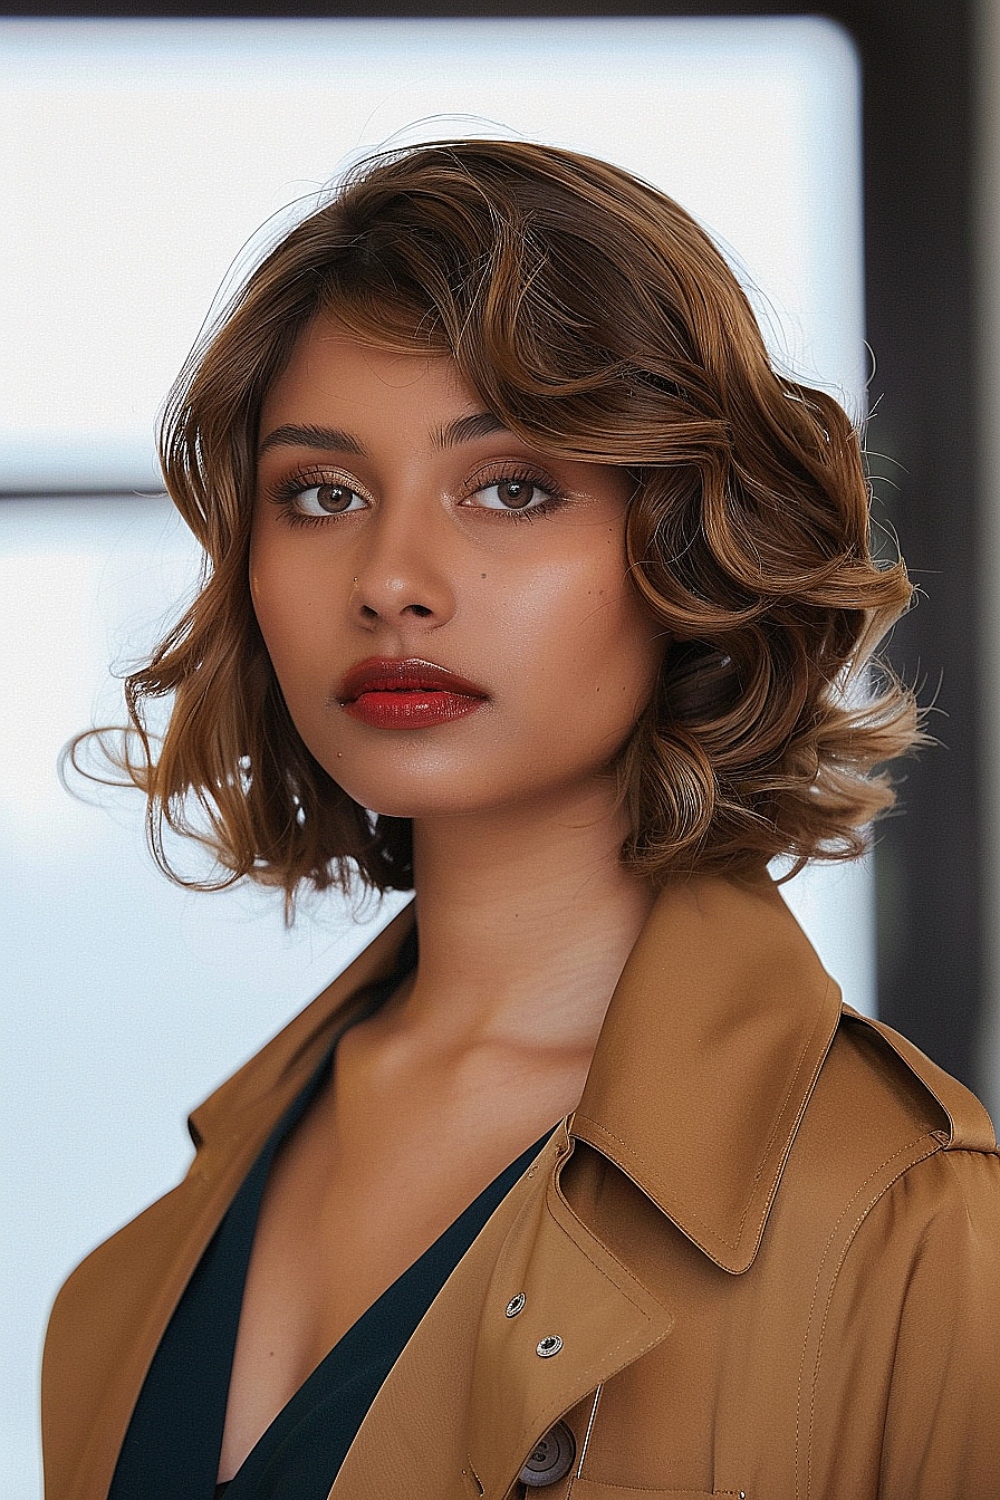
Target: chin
(400, 797)
(411, 780)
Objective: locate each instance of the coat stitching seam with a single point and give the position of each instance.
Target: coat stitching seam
(526, 1208)
(600, 1269)
(578, 1473)
(902, 1151)
(646, 1489)
(576, 1220)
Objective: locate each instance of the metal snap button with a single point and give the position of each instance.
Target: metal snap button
(514, 1305)
(552, 1458)
(546, 1347)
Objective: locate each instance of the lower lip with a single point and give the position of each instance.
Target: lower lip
(419, 709)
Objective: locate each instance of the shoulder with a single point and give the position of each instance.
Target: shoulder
(885, 1122)
(895, 1183)
(907, 1270)
(879, 1101)
(894, 1169)
(894, 1060)
(942, 1185)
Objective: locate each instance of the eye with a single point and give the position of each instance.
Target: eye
(327, 500)
(513, 494)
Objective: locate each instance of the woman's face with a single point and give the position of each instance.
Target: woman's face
(398, 529)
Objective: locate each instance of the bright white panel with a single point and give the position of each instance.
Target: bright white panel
(138, 157)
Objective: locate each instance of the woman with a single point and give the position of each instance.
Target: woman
(532, 587)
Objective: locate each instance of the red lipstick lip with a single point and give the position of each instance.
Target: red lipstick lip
(392, 674)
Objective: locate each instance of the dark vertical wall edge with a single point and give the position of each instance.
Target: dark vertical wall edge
(917, 61)
(919, 189)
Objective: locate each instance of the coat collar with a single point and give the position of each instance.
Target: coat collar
(710, 1048)
(709, 1051)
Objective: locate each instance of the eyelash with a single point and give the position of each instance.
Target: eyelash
(283, 494)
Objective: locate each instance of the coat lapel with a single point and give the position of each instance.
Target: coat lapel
(575, 1289)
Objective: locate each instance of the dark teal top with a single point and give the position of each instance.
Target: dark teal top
(172, 1447)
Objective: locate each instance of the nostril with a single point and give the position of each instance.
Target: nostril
(418, 609)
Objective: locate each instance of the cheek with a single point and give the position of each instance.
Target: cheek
(293, 636)
(288, 595)
(595, 648)
(277, 615)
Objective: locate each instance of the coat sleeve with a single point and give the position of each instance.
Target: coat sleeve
(942, 1430)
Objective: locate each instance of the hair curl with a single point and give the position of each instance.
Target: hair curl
(597, 321)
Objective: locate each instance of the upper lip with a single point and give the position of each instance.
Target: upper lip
(388, 673)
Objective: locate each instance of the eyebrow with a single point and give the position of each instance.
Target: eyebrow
(334, 440)
(466, 429)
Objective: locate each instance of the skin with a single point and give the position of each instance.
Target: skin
(525, 914)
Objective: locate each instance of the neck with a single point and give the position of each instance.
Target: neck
(525, 920)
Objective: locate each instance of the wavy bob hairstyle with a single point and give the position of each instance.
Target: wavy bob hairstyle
(597, 321)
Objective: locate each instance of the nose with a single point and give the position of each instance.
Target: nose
(401, 571)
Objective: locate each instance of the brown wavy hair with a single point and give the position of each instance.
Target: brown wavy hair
(598, 321)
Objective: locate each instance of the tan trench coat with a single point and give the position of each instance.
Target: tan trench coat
(768, 1238)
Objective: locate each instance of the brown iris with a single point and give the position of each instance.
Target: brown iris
(333, 497)
(516, 493)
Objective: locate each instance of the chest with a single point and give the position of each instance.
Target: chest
(355, 1197)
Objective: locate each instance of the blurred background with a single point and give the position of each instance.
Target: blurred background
(846, 161)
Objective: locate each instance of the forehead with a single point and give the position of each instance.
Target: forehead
(333, 367)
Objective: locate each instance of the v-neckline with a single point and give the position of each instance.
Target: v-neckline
(354, 1351)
